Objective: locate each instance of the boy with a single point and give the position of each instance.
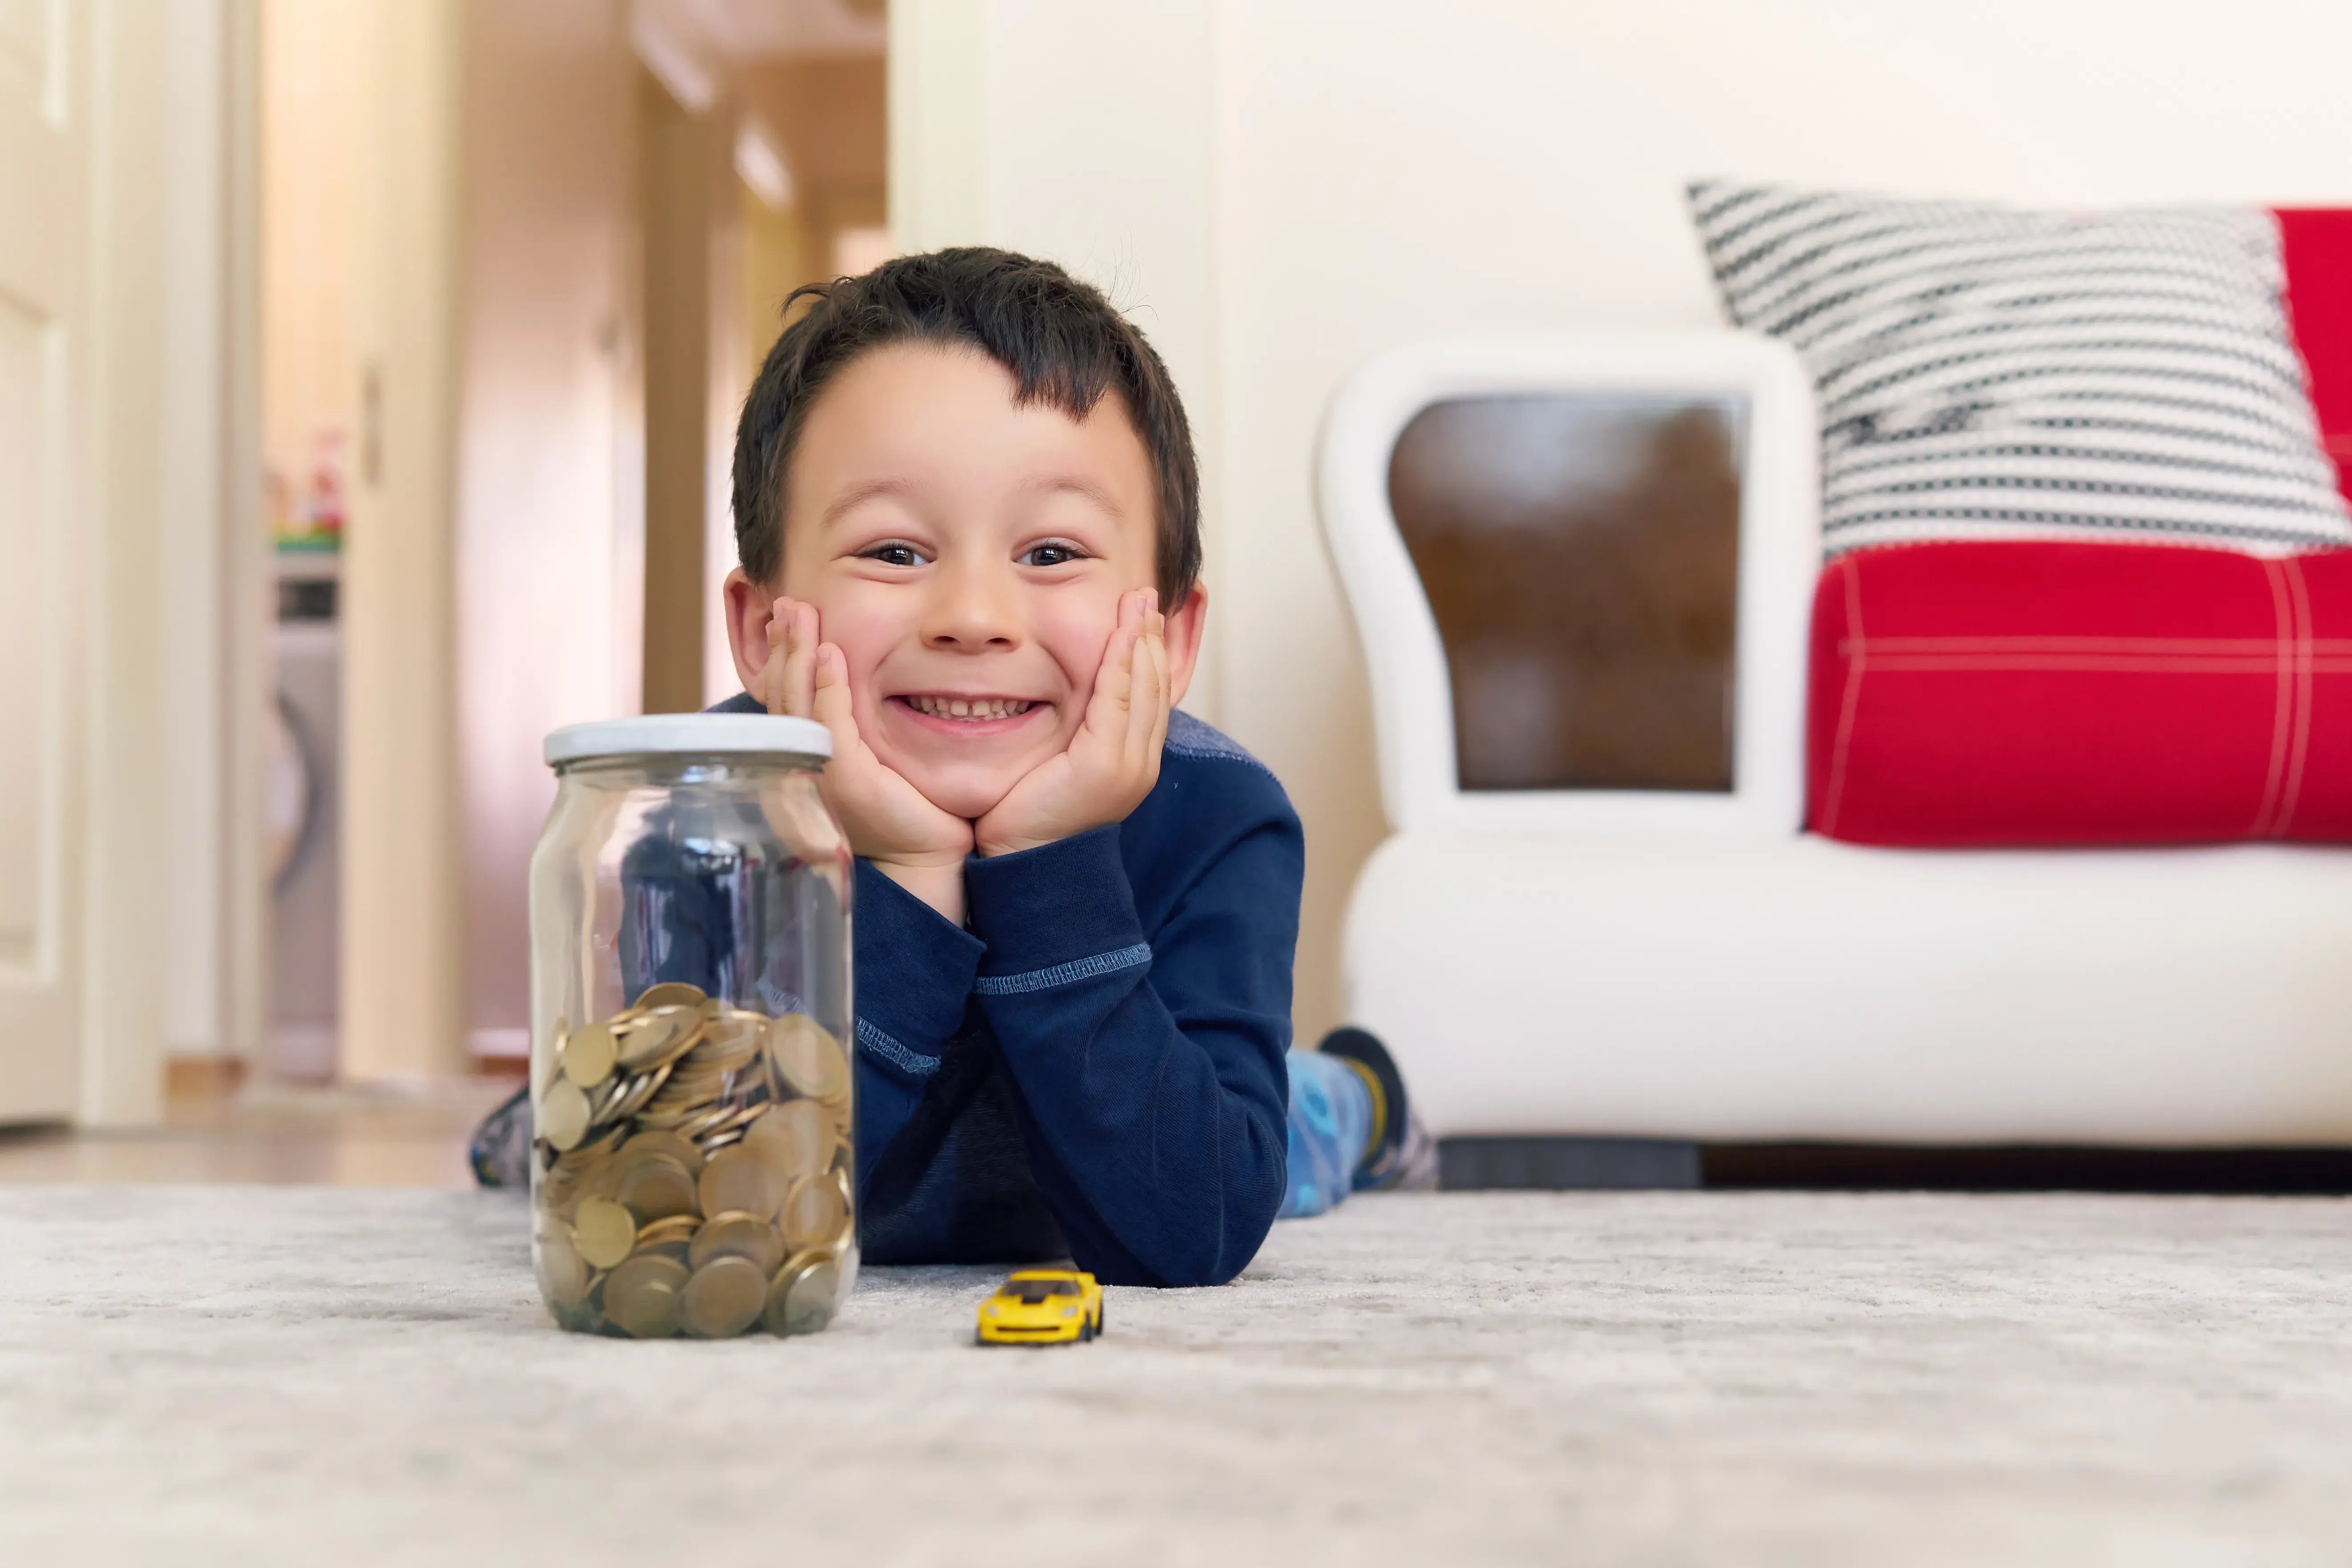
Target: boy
(966, 513)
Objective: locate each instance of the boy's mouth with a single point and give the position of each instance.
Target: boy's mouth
(965, 712)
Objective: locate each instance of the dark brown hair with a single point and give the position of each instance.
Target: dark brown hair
(1064, 343)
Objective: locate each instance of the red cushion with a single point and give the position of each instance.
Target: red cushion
(2318, 249)
(2023, 693)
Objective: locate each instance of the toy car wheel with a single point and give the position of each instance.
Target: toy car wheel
(1085, 1332)
(1099, 1323)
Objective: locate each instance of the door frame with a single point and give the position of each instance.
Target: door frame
(172, 577)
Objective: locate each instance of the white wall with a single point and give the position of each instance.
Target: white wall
(1279, 190)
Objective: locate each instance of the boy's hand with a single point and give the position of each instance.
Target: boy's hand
(1113, 760)
(890, 822)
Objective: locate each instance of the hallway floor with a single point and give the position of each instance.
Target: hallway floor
(274, 1133)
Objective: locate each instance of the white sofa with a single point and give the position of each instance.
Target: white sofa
(1695, 966)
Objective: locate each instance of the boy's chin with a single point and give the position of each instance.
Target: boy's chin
(968, 792)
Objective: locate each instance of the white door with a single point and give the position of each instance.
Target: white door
(42, 138)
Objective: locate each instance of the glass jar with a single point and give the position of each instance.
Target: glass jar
(692, 1169)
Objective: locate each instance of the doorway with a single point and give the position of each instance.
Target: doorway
(520, 261)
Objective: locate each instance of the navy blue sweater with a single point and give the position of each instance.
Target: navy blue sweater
(1094, 1066)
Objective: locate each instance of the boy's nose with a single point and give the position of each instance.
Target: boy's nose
(973, 608)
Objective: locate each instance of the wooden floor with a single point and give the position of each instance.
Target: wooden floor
(273, 1134)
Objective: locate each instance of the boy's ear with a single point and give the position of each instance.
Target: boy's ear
(749, 608)
(1185, 624)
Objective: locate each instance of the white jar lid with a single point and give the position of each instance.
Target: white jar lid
(701, 734)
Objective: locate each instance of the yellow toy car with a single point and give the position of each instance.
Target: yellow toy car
(1042, 1307)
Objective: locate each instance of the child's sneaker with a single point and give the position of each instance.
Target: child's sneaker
(500, 1151)
(1398, 1153)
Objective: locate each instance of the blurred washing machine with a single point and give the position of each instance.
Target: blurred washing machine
(305, 819)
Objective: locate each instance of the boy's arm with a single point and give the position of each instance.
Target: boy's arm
(1150, 1072)
(914, 973)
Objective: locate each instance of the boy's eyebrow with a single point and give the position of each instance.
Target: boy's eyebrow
(1079, 484)
(857, 494)
(1076, 484)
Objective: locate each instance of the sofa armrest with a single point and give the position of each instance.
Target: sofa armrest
(1778, 551)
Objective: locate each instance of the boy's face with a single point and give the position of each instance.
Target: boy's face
(967, 555)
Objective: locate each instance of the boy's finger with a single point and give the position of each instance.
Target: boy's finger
(800, 662)
(829, 701)
(767, 685)
(1147, 717)
(1107, 708)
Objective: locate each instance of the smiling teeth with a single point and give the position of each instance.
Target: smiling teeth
(969, 708)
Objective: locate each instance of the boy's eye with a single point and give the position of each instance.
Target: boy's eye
(1051, 556)
(895, 554)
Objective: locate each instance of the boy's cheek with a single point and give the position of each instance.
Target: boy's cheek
(864, 632)
(1075, 635)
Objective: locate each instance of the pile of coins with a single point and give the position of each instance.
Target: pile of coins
(693, 1170)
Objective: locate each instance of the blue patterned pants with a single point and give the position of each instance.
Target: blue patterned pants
(1331, 1118)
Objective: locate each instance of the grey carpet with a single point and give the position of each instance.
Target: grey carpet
(337, 1377)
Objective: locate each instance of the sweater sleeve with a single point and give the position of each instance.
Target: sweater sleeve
(1150, 1071)
(914, 971)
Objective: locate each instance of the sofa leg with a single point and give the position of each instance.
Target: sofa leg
(1566, 1164)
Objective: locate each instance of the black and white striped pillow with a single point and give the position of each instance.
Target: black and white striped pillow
(1985, 373)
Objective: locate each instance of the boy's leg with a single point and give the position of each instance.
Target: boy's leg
(1351, 1126)
(1330, 1120)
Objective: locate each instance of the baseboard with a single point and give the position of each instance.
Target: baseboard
(1574, 1164)
(203, 1077)
(1567, 1164)
(2028, 1167)
(510, 1044)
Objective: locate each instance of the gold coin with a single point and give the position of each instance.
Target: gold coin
(669, 994)
(739, 1117)
(590, 1152)
(564, 1114)
(685, 1095)
(635, 1092)
(796, 1138)
(741, 1236)
(604, 1231)
(724, 1297)
(703, 1123)
(807, 1056)
(846, 1185)
(546, 1069)
(811, 1301)
(563, 1275)
(641, 1296)
(659, 1037)
(588, 1054)
(737, 1180)
(848, 1239)
(556, 1196)
(711, 1143)
(670, 1228)
(604, 1101)
(668, 1145)
(656, 1188)
(813, 1212)
(804, 1294)
(728, 1056)
(730, 1034)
